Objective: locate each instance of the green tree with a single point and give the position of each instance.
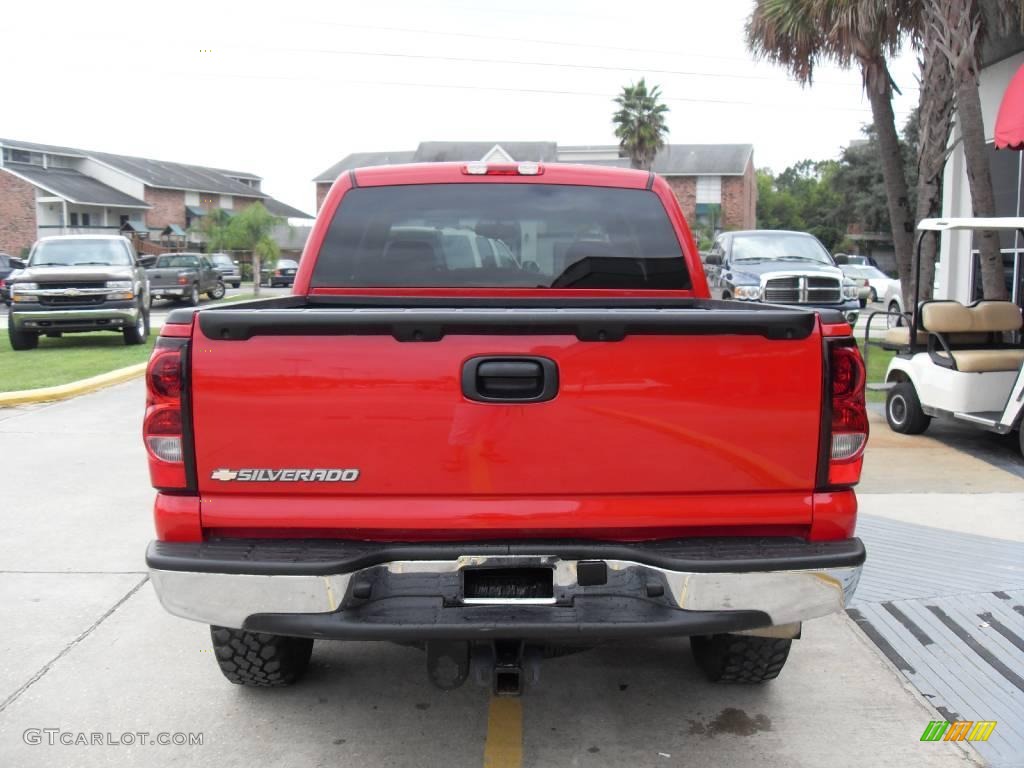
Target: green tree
(215, 229)
(251, 231)
(800, 34)
(640, 123)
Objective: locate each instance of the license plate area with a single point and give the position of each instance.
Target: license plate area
(508, 585)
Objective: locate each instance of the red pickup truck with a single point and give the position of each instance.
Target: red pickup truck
(498, 418)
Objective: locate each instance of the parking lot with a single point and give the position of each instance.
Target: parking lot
(88, 649)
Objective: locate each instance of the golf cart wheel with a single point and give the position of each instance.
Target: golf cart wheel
(903, 410)
(260, 660)
(217, 292)
(740, 658)
(21, 340)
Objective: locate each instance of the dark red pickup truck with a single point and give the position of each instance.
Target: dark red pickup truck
(500, 414)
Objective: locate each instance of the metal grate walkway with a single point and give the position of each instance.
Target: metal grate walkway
(947, 609)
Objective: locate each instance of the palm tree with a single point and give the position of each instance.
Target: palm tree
(799, 34)
(959, 28)
(251, 231)
(640, 123)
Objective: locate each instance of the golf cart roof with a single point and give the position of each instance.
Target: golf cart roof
(943, 225)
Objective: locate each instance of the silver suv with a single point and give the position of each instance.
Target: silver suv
(76, 284)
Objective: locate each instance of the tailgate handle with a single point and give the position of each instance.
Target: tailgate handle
(489, 379)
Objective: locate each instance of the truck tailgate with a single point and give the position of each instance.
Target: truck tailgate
(649, 433)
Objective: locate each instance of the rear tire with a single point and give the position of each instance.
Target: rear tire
(740, 658)
(21, 340)
(873, 297)
(236, 285)
(217, 292)
(903, 410)
(260, 660)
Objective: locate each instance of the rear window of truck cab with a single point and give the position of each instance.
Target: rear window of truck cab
(501, 235)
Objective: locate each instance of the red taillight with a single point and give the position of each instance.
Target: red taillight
(277, 273)
(162, 428)
(183, 280)
(849, 428)
(165, 375)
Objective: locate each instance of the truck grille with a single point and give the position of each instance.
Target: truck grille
(803, 290)
(72, 301)
(80, 284)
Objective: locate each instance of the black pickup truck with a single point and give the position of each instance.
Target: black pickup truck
(183, 277)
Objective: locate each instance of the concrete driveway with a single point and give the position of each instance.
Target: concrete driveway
(87, 648)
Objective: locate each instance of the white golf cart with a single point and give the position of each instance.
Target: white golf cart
(964, 362)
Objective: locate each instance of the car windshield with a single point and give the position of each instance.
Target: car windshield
(287, 264)
(78, 253)
(222, 261)
(501, 235)
(177, 261)
(774, 246)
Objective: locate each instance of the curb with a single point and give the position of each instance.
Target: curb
(80, 387)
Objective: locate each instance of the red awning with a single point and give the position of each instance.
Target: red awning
(1010, 120)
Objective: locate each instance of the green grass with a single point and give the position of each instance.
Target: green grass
(878, 364)
(70, 358)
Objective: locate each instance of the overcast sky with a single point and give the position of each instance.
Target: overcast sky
(284, 90)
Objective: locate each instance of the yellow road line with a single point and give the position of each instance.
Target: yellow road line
(504, 745)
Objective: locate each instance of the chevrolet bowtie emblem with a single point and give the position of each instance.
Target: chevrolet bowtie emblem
(224, 474)
(72, 292)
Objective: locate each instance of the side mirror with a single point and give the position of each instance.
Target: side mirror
(714, 259)
(147, 261)
(16, 263)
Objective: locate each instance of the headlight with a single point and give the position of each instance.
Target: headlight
(747, 292)
(121, 285)
(18, 291)
(850, 290)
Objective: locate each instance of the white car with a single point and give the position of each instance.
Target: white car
(879, 283)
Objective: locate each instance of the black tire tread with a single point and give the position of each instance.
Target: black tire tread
(917, 420)
(21, 340)
(740, 658)
(259, 660)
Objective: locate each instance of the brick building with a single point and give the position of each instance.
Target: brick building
(715, 183)
(49, 190)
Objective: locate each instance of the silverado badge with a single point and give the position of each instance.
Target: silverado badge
(286, 475)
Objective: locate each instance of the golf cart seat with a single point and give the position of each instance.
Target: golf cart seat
(899, 337)
(970, 338)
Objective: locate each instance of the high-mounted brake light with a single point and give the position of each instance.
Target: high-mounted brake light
(163, 428)
(479, 168)
(849, 427)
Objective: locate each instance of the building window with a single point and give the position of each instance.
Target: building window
(74, 219)
(709, 189)
(85, 220)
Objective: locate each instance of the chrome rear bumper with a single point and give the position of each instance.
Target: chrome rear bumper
(423, 598)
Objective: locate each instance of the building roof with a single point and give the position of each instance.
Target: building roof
(363, 159)
(680, 159)
(278, 208)
(157, 173)
(73, 186)
(673, 160)
(455, 151)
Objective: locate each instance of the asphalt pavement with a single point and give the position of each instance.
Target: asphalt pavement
(88, 649)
